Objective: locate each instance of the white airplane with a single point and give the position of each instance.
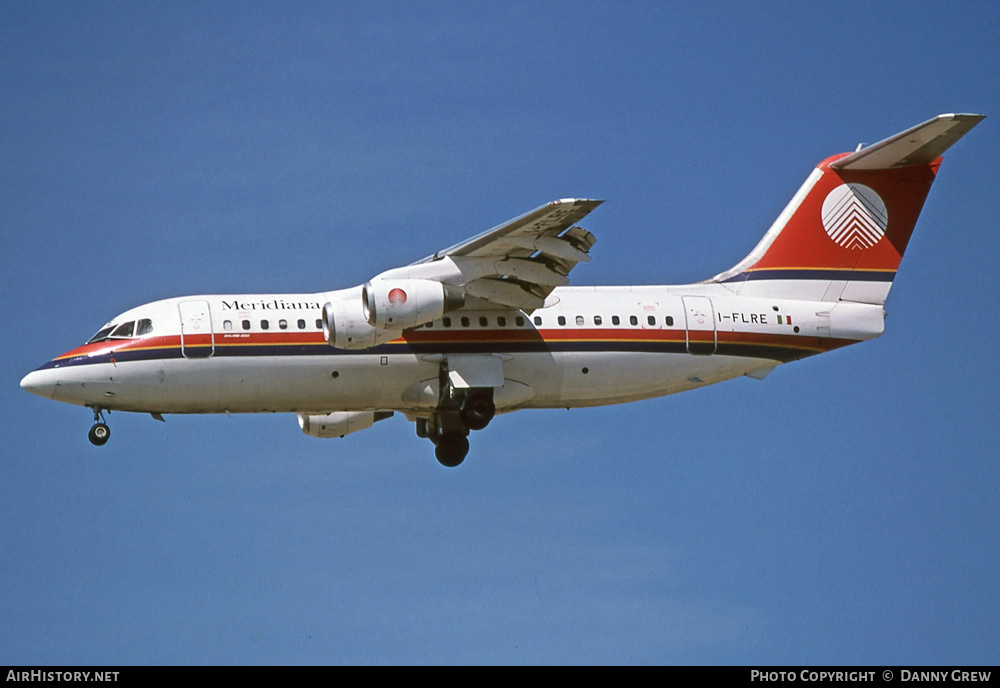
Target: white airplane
(489, 325)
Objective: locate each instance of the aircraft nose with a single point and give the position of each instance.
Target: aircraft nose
(40, 382)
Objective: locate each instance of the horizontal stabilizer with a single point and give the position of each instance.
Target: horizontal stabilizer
(919, 145)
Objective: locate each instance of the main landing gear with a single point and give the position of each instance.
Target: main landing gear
(99, 433)
(457, 414)
(451, 449)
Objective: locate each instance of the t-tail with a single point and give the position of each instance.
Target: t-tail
(843, 234)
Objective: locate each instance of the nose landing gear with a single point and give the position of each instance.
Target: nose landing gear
(99, 433)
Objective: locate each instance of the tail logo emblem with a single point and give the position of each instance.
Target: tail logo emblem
(854, 216)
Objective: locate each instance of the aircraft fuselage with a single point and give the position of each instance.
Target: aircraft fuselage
(591, 346)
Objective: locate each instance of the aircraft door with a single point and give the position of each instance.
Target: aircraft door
(197, 338)
(699, 317)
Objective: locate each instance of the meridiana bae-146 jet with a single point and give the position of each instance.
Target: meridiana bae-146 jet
(490, 324)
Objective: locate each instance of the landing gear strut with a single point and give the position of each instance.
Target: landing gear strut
(458, 411)
(99, 433)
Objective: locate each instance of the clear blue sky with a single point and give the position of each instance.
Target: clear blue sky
(844, 510)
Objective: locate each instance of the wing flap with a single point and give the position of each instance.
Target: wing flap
(532, 270)
(508, 293)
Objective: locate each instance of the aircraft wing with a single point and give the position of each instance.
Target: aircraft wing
(516, 264)
(515, 238)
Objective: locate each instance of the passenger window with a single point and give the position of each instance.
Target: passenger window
(246, 324)
(579, 320)
(227, 325)
(615, 320)
(465, 321)
(145, 326)
(501, 321)
(538, 320)
(597, 320)
(302, 324)
(319, 324)
(124, 330)
(519, 321)
(264, 324)
(483, 322)
(669, 320)
(446, 322)
(634, 320)
(429, 325)
(562, 319)
(651, 319)
(283, 324)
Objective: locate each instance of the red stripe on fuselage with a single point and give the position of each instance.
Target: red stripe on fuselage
(452, 337)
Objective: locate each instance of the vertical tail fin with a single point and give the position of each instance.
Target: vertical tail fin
(843, 234)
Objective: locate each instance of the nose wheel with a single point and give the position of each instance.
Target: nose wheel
(99, 433)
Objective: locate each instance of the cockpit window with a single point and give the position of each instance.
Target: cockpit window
(127, 330)
(123, 331)
(101, 335)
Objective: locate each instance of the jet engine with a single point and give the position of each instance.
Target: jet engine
(345, 325)
(340, 423)
(397, 304)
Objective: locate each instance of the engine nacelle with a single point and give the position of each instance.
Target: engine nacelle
(340, 423)
(397, 304)
(345, 325)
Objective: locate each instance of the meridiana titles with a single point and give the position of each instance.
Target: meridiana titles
(270, 305)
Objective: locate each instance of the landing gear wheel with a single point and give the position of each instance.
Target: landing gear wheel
(451, 449)
(477, 413)
(99, 434)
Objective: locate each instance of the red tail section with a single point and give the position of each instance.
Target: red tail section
(844, 233)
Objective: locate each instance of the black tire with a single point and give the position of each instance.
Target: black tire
(477, 413)
(99, 434)
(451, 449)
